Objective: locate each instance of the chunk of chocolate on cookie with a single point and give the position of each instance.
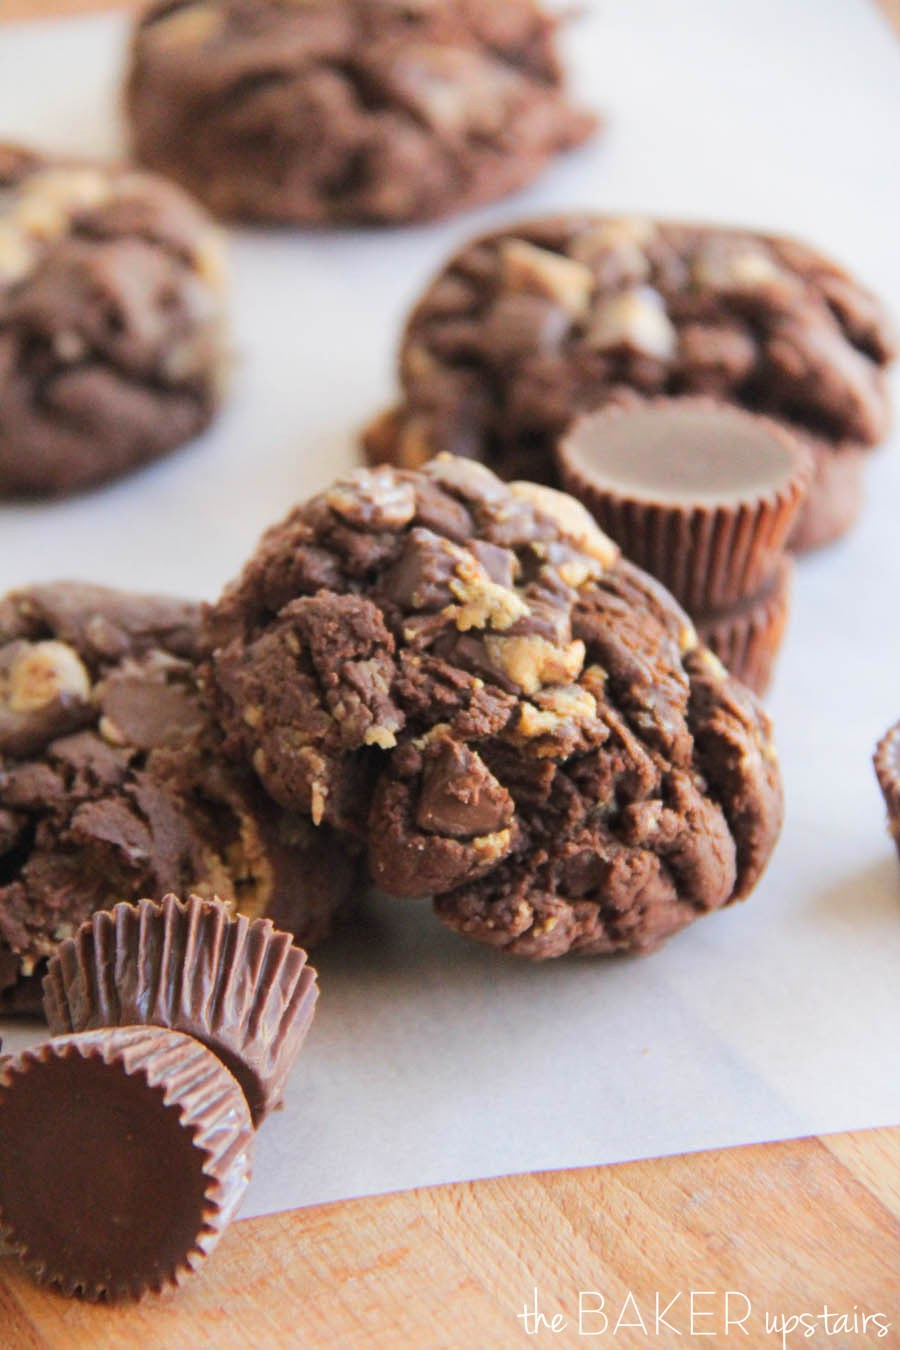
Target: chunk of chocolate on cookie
(112, 335)
(339, 111)
(112, 785)
(465, 678)
(526, 328)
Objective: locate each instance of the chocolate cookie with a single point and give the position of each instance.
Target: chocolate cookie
(527, 327)
(112, 347)
(112, 785)
(468, 679)
(339, 111)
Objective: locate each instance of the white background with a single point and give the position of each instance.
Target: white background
(433, 1060)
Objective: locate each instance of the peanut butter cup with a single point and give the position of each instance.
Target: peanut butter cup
(123, 1156)
(239, 986)
(836, 495)
(700, 494)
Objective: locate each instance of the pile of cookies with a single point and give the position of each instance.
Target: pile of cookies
(441, 675)
(451, 686)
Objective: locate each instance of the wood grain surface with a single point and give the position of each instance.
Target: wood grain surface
(788, 1228)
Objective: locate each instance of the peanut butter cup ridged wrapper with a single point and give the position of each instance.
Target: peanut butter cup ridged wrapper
(238, 985)
(700, 494)
(123, 1157)
(747, 637)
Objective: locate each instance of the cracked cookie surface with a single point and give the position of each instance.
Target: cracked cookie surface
(112, 330)
(340, 111)
(525, 328)
(112, 785)
(466, 678)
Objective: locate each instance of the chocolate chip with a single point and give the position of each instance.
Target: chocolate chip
(459, 795)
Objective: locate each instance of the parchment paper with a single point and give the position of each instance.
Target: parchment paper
(432, 1060)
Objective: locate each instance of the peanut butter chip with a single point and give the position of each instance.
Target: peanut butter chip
(532, 661)
(40, 212)
(44, 672)
(742, 268)
(637, 319)
(525, 267)
(483, 603)
(50, 198)
(574, 521)
(491, 847)
(567, 704)
(382, 737)
(615, 248)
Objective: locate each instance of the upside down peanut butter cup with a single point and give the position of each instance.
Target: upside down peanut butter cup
(836, 495)
(123, 1156)
(701, 494)
(747, 637)
(237, 985)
